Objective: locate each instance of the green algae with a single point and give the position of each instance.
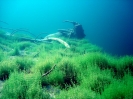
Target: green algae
(83, 71)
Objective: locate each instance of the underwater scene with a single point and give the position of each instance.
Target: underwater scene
(66, 49)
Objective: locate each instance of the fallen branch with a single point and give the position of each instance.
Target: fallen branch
(49, 71)
(59, 40)
(43, 40)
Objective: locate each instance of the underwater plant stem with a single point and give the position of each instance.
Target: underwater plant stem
(49, 71)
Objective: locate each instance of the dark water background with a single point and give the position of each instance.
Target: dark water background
(107, 23)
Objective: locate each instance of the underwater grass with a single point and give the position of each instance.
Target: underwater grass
(15, 52)
(95, 79)
(82, 46)
(120, 89)
(6, 67)
(76, 92)
(24, 63)
(3, 56)
(82, 72)
(69, 72)
(21, 86)
(125, 64)
(24, 45)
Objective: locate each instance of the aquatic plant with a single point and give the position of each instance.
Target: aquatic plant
(24, 63)
(43, 67)
(81, 72)
(100, 84)
(56, 77)
(24, 45)
(6, 67)
(120, 89)
(126, 64)
(15, 52)
(69, 72)
(21, 86)
(2, 55)
(77, 92)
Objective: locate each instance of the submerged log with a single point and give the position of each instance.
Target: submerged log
(59, 40)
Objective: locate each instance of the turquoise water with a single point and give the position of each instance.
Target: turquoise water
(107, 23)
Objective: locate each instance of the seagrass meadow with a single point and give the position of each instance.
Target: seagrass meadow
(49, 70)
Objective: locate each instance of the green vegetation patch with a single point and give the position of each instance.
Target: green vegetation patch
(47, 70)
(21, 86)
(6, 67)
